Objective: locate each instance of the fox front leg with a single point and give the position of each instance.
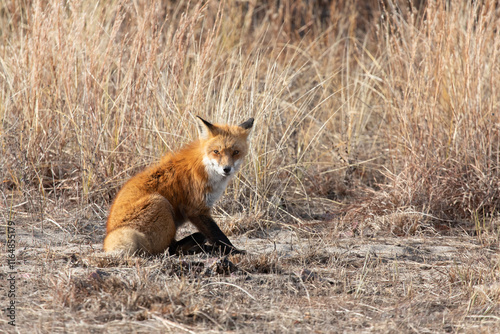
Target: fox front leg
(191, 244)
(211, 230)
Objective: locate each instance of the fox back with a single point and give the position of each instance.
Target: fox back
(183, 186)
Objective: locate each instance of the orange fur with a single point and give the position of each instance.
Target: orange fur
(151, 206)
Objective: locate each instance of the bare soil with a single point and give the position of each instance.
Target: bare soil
(291, 280)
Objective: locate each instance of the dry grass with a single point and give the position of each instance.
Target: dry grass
(285, 284)
(373, 120)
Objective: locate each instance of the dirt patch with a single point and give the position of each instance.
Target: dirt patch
(290, 281)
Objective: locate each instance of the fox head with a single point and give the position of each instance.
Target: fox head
(224, 147)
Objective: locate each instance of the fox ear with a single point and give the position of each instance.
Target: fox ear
(205, 128)
(247, 124)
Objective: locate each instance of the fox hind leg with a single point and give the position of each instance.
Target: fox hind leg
(150, 231)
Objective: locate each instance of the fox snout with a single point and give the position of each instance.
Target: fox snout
(227, 170)
(214, 168)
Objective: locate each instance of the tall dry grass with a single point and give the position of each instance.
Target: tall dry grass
(394, 101)
(438, 73)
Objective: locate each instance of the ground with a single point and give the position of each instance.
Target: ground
(292, 280)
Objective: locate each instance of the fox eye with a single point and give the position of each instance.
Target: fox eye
(216, 152)
(236, 152)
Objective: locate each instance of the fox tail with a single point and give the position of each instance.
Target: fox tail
(126, 241)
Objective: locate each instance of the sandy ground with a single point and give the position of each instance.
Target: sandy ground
(291, 280)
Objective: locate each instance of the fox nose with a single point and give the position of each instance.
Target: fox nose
(227, 170)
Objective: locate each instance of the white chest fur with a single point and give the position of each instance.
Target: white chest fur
(217, 190)
(216, 181)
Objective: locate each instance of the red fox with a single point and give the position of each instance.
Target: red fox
(184, 186)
